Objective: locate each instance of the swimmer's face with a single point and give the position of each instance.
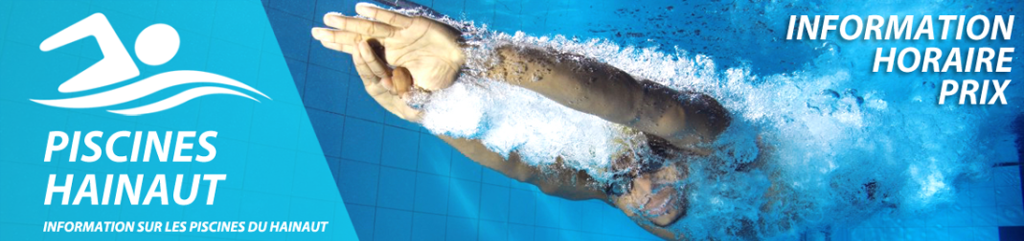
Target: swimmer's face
(655, 197)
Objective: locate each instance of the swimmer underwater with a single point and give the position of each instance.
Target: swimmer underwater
(394, 53)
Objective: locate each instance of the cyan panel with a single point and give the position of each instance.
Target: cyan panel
(256, 142)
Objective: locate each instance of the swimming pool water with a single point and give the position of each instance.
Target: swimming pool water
(421, 189)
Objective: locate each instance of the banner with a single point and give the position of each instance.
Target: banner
(155, 120)
(510, 120)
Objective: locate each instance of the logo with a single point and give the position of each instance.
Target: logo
(155, 45)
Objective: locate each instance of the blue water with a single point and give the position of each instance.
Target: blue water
(835, 126)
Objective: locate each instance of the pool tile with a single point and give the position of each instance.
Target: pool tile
(954, 215)
(392, 225)
(329, 58)
(863, 233)
(431, 193)
(452, 8)
(986, 233)
(361, 105)
(572, 215)
(493, 231)
(465, 168)
(435, 155)
(395, 186)
(490, 176)
(461, 229)
(300, 8)
(1006, 177)
(1010, 215)
(481, 12)
(345, 7)
(357, 182)
(936, 234)
(507, 16)
(522, 206)
(549, 211)
(428, 226)
(591, 218)
(464, 199)
(545, 234)
(362, 140)
(400, 148)
(982, 196)
(961, 233)
(520, 232)
(329, 130)
(326, 89)
(494, 203)
(1008, 195)
(570, 235)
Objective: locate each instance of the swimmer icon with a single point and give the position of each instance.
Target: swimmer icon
(155, 45)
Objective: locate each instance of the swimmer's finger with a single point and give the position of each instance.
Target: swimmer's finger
(376, 66)
(387, 84)
(335, 36)
(390, 17)
(401, 80)
(366, 27)
(369, 79)
(346, 48)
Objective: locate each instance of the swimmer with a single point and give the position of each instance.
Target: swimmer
(394, 53)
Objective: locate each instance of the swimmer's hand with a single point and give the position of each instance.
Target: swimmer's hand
(427, 48)
(389, 87)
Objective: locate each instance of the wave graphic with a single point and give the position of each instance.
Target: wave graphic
(151, 85)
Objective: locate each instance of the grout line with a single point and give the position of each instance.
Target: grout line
(448, 199)
(380, 171)
(479, 206)
(415, 185)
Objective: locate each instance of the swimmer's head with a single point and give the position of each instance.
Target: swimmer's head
(656, 197)
(157, 44)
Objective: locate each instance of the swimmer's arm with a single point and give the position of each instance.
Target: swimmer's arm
(600, 89)
(561, 182)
